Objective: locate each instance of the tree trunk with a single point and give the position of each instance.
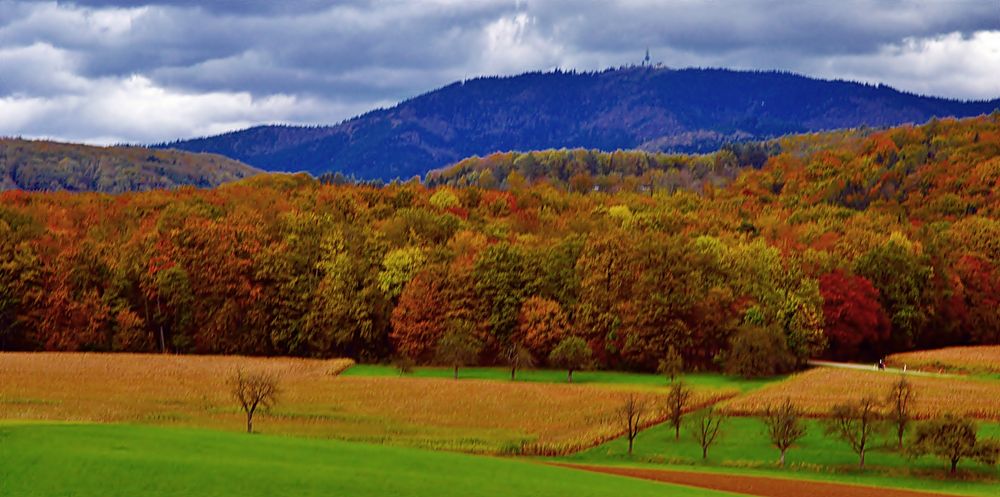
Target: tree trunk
(954, 465)
(249, 421)
(861, 465)
(163, 343)
(782, 458)
(571, 380)
(456, 372)
(513, 371)
(630, 439)
(677, 431)
(704, 452)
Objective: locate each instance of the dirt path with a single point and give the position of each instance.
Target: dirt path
(872, 367)
(755, 485)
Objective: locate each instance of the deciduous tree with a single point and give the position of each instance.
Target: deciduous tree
(253, 390)
(900, 399)
(953, 438)
(571, 354)
(630, 417)
(542, 324)
(784, 426)
(855, 423)
(853, 316)
(458, 347)
(672, 365)
(707, 427)
(677, 402)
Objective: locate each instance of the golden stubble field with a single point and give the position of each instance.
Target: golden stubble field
(977, 359)
(468, 415)
(817, 390)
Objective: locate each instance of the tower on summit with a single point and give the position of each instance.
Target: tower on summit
(645, 60)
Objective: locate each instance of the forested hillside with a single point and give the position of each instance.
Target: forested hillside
(843, 244)
(592, 170)
(44, 165)
(655, 109)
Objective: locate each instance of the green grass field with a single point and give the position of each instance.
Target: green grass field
(43, 460)
(710, 380)
(743, 448)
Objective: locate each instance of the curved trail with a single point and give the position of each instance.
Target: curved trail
(762, 486)
(871, 367)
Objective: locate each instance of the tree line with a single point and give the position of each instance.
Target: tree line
(846, 245)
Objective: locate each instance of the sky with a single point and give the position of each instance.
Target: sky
(102, 72)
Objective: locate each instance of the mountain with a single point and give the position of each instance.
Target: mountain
(45, 165)
(655, 109)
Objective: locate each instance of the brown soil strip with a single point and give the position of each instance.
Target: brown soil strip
(755, 485)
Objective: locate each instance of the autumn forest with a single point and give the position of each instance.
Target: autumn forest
(848, 245)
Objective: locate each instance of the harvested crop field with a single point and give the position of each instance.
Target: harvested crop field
(818, 390)
(979, 359)
(757, 485)
(467, 415)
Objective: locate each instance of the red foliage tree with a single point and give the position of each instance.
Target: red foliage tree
(980, 285)
(418, 320)
(855, 320)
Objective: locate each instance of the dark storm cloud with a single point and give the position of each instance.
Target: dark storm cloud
(807, 26)
(236, 63)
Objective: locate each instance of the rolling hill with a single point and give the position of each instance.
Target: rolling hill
(44, 165)
(654, 109)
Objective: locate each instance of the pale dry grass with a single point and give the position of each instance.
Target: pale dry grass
(469, 415)
(977, 359)
(817, 390)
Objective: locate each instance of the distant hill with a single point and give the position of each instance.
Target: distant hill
(585, 170)
(654, 109)
(44, 165)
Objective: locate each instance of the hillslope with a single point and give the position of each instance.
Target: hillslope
(44, 165)
(655, 109)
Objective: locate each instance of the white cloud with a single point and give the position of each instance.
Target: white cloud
(950, 65)
(134, 109)
(514, 43)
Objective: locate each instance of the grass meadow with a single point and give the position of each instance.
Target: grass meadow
(605, 378)
(90, 460)
(744, 448)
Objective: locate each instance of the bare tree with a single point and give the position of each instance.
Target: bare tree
(707, 427)
(254, 390)
(517, 356)
(855, 423)
(677, 402)
(784, 426)
(630, 415)
(900, 399)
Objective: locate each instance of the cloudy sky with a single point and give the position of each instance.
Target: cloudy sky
(132, 71)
